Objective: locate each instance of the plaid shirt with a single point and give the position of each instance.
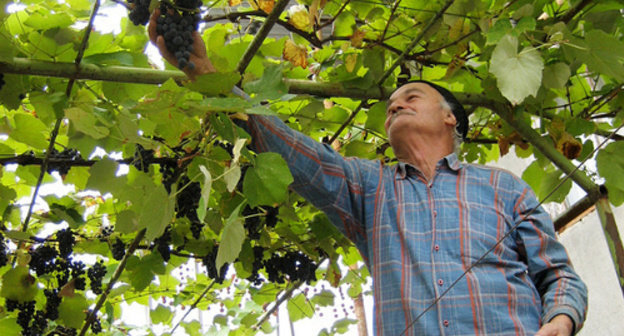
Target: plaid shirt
(418, 237)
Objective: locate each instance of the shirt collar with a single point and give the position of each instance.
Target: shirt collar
(451, 161)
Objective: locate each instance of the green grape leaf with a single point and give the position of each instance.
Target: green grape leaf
(102, 177)
(19, 285)
(518, 75)
(161, 314)
(500, 28)
(266, 183)
(377, 118)
(544, 180)
(214, 84)
(127, 222)
(86, 122)
(324, 298)
(232, 239)
(205, 193)
(30, 130)
(299, 307)
(610, 164)
(270, 86)
(604, 54)
(9, 327)
(72, 311)
(556, 75)
(157, 211)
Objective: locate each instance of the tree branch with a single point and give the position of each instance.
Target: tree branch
(261, 35)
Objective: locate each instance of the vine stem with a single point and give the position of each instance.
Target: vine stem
(120, 268)
(261, 35)
(193, 306)
(287, 294)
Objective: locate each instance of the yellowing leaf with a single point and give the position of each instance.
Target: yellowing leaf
(264, 5)
(350, 61)
(357, 38)
(295, 54)
(234, 2)
(300, 18)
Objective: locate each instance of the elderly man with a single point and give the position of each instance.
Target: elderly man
(421, 223)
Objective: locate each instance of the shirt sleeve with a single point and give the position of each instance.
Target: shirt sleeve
(322, 176)
(561, 289)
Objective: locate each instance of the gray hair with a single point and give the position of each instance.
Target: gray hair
(457, 137)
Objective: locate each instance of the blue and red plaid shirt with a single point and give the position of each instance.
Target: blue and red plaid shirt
(418, 237)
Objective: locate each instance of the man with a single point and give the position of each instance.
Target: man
(420, 224)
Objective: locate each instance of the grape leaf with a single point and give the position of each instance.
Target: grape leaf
(85, 122)
(266, 183)
(9, 327)
(72, 311)
(518, 75)
(299, 307)
(556, 75)
(161, 314)
(205, 193)
(214, 84)
(270, 86)
(156, 212)
(610, 164)
(30, 131)
(604, 54)
(102, 177)
(232, 239)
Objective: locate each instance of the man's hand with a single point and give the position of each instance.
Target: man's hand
(560, 325)
(198, 56)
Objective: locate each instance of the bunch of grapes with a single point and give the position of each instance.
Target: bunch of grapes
(253, 222)
(162, 245)
(187, 203)
(139, 11)
(33, 322)
(42, 259)
(170, 173)
(4, 259)
(209, 261)
(106, 231)
(118, 249)
(176, 24)
(66, 242)
(60, 161)
(294, 264)
(96, 273)
(258, 263)
(53, 300)
(77, 271)
(142, 158)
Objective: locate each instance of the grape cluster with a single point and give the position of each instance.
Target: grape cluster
(258, 263)
(209, 260)
(4, 259)
(106, 231)
(33, 322)
(139, 11)
(294, 265)
(162, 245)
(61, 161)
(118, 249)
(95, 274)
(42, 259)
(176, 24)
(96, 325)
(66, 241)
(53, 300)
(142, 158)
(2, 82)
(170, 173)
(187, 203)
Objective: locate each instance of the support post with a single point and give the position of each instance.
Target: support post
(614, 239)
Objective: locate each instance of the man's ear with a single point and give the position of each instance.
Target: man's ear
(450, 119)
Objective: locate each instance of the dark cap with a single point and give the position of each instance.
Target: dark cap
(456, 106)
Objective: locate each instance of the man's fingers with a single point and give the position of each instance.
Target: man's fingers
(151, 28)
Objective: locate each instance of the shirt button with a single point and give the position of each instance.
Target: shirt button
(446, 323)
(435, 213)
(440, 282)
(436, 247)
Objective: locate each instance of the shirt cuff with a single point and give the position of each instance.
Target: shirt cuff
(567, 310)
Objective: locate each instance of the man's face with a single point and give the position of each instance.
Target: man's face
(416, 107)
